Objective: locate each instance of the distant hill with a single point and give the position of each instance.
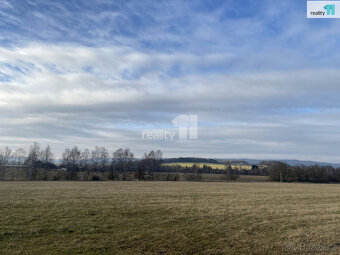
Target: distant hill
(234, 162)
(292, 162)
(190, 160)
(246, 161)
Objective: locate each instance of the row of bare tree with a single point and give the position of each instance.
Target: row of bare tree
(98, 160)
(75, 160)
(36, 157)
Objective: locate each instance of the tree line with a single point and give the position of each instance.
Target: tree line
(283, 172)
(38, 162)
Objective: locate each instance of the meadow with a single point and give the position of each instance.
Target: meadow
(169, 218)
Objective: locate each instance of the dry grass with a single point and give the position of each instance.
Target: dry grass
(168, 218)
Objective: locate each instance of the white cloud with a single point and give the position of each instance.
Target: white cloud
(53, 97)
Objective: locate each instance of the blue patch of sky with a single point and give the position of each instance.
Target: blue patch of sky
(170, 27)
(4, 77)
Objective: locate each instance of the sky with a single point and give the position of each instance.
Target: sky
(262, 79)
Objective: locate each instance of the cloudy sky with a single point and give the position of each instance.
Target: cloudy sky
(263, 80)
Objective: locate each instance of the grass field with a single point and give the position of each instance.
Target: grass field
(212, 165)
(168, 218)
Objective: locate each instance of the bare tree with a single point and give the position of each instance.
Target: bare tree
(71, 160)
(118, 160)
(32, 160)
(95, 159)
(100, 159)
(19, 156)
(46, 160)
(141, 170)
(103, 159)
(230, 174)
(5, 156)
(122, 161)
(128, 161)
(150, 163)
(85, 163)
(18, 159)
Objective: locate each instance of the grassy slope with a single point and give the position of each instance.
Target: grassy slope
(168, 217)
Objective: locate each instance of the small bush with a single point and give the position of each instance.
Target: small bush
(172, 177)
(95, 178)
(192, 177)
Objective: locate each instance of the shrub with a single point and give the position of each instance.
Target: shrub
(95, 178)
